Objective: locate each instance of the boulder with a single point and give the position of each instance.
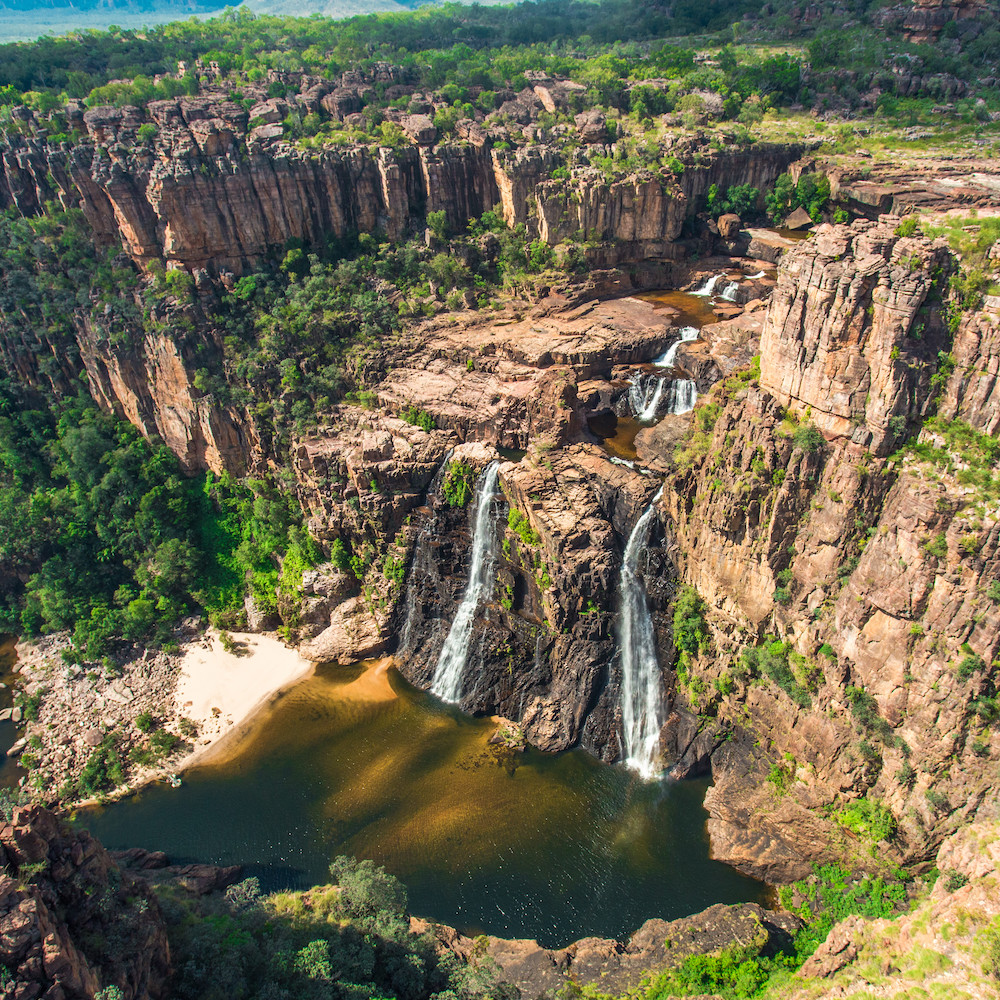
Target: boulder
(729, 225)
(799, 219)
(419, 129)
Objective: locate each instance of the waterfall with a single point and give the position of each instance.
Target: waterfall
(448, 674)
(668, 358)
(729, 292)
(644, 395)
(682, 396)
(759, 274)
(641, 701)
(709, 287)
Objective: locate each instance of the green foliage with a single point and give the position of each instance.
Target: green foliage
(419, 418)
(771, 660)
(871, 821)
(145, 722)
(812, 192)
(437, 222)
(113, 540)
(324, 944)
(103, 770)
(690, 626)
(459, 484)
(740, 199)
(521, 527)
(809, 438)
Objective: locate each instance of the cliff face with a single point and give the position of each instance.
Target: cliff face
(70, 923)
(206, 193)
(872, 571)
(852, 332)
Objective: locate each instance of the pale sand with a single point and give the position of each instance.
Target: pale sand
(218, 690)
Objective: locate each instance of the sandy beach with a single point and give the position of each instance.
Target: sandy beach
(218, 690)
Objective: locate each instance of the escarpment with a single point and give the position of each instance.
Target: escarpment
(210, 192)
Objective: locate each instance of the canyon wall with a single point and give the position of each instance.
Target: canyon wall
(206, 193)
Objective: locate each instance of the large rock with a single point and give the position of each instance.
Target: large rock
(63, 900)
(853, 331)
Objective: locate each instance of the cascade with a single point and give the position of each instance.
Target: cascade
(668, 358)
(709, 287)
(450, 669)
(644, 395)
(729, 292)
(641, 700)
(681, 396)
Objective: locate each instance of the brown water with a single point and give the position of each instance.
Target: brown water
(356, 761)
(692, 310)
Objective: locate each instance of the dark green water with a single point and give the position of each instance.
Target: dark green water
(354, 760)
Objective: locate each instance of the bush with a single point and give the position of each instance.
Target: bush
(808, 438)
(459, 484)
(145, 722)
(870, 820)
(690, 627)
(103, 770)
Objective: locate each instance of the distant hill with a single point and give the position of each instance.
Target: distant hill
(27, 19)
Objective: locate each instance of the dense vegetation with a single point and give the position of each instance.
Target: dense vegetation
(101, 533)
(635, 57)
(346, 942)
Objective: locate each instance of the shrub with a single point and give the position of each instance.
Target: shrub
(690, 627)
(145, 722)
(103, 770)
(808, 438)
(869, 820)
(459, 484)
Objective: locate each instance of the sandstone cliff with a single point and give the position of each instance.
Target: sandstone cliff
(71, 923)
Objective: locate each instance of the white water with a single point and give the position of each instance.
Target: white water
(641, 700)
(652, 396)
(644, 396)
(729, 292)
(709, 287)
(450, 670)
(668, 358)
(682, 396)
(759, 274)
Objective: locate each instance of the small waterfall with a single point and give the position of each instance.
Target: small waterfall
(641, 700)
(450, 669)
(644, 395)
(681, 396)
(755, 277)
(729, 292)
(669, 357)
(709, 287)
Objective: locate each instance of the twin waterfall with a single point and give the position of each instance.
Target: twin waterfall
(450, 669)
(641, 701)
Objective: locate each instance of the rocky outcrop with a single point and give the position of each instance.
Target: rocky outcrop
(70, 922)
(845, 338)
(615, 967)
(948, 943)
(541, 651)
(206, 193)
